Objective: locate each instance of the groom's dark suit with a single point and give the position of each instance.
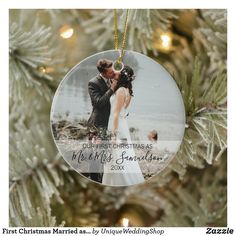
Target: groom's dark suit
(100, 95)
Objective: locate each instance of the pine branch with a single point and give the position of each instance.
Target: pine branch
(213, 34)
(30, 53)
(34, 178)
(40, 218)
(142, 27)
(204, 99)
(95, 205)
(210, 49)
(81, 202)
(205, 137)
(200, 201)
(40, 179)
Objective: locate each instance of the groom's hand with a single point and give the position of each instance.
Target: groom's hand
(113, 85)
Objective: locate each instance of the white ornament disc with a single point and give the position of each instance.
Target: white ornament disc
(114, 138)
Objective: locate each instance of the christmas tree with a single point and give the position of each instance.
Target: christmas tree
(45, 191)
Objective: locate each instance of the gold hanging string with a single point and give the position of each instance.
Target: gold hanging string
(116, 41)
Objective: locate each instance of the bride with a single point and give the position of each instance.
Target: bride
(121, 171)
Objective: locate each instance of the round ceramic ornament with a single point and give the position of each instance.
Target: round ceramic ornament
(118, 127)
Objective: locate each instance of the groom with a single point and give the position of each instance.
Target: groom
(100, 90)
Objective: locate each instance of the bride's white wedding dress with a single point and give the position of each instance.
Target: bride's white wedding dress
(128, 172)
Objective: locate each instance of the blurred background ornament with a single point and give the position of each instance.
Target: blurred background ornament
(163, 41)
(66, 31)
